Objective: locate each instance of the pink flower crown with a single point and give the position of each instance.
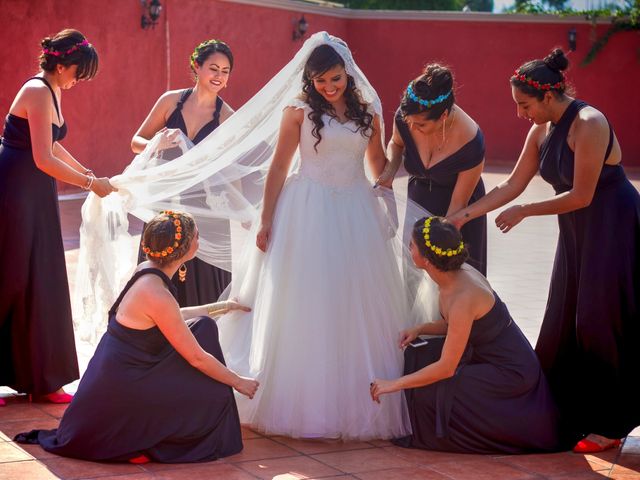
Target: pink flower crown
(55, 53)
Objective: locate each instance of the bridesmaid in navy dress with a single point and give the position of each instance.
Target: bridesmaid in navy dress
(157, 387)
(196, 112)
(591, 330)
(443, 150)
(37, 349)
(470, 391)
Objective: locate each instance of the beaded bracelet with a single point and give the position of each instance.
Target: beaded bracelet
(89, 172)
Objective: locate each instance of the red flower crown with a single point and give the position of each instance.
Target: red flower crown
(537, 85)
(177, 237)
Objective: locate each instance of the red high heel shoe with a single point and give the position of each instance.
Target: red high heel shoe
(58, 397)
(139, 460)
(2, 403)
(587, 446)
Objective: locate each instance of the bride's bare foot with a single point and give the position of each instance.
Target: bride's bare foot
(594, 443)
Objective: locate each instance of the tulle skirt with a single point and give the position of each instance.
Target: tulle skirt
(328, 307)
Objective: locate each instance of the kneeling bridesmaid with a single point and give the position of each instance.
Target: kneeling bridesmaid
(479, 389)
(157, 387)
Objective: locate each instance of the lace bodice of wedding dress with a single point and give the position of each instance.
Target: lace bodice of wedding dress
(337, 161)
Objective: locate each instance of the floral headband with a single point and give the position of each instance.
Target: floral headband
(441, 252)
(55, 53)
(204, 44)
(427, 103)
(177, 237)
(537, 85)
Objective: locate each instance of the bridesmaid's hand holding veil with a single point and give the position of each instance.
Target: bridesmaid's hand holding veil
(102, 187)
(168, 138)
(263, 237)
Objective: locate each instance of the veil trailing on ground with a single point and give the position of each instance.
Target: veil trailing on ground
(220, 182)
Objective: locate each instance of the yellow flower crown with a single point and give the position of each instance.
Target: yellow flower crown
(435, 249)
(177, 237)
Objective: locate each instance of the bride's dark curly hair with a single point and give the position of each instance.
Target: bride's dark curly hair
(324, 58)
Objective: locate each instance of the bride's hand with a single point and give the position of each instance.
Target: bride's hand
(246, 386)
(384, 180)
(408, 336)
(263, 236)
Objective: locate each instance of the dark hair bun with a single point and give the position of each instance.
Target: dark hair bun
(556, 60)
(46, 42)
(437, 76)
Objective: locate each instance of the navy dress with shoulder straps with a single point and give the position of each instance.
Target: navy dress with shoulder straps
(204, 283)
(37, 347)
(140, 396)
(588, 343)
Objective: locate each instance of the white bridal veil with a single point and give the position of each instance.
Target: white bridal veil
(220, 181)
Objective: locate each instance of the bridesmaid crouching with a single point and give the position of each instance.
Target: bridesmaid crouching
(480, 389)
(157, 387)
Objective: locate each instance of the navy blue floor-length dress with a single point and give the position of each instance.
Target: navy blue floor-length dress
(588, 343)
(498, 400)
(37, 347)
(140, 396)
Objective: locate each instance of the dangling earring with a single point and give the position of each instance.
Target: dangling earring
(182, 273)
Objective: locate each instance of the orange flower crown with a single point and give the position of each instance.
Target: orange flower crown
(177, 237)
(441, 252)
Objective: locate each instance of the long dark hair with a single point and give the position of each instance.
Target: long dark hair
(324, 58)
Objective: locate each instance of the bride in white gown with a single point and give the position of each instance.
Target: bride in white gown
(330, 290)
(329, 298)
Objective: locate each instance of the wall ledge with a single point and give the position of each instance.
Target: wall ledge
(329, 10)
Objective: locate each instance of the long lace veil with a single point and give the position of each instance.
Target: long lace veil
(220, 181)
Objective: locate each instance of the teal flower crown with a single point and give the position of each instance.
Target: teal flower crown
(427, 103)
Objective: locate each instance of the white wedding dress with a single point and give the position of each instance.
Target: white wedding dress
(328, 302)
(328, 296)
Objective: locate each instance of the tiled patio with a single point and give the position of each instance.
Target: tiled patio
(519, 269)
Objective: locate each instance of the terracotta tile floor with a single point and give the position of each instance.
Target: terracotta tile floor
(519, 269)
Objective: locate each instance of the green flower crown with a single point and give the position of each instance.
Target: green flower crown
(435, 249)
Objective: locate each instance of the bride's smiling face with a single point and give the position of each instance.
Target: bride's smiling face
(331, 84)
